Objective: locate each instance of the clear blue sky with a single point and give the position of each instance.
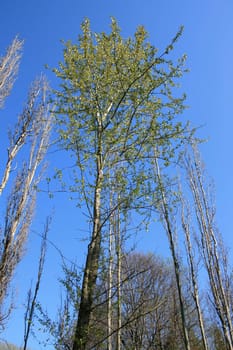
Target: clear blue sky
(208, 42)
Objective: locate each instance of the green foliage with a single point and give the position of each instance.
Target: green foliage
(117, 103)
(117, 108)
(60, 331)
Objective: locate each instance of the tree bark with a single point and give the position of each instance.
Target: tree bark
(194, 282)
(92, 260)
(169, 230)
(210, 245)
(119, 255)
(110, 276)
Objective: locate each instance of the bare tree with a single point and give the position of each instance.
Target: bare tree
(146, 301)
(170, 228)
(211, 244)
(193, 267)
(32, 294)
(9, 64)
(31, 133)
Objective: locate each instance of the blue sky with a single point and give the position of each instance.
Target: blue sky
(208, 43)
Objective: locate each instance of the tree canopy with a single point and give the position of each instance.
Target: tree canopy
(117, 105)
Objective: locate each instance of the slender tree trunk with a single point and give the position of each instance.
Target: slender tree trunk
(110, 276)
(214, 256)
(169, 230)
(194, 283)
(92, 261)
(32, 295)
(119, 262)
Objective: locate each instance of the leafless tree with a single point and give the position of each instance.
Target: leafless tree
(19, 183)
(171, 230)
(146, 301)
(32, 294)
(150, 311)
(211, 245)
(9, 64)
(192, 266)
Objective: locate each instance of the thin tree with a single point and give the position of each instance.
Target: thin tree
(33, 294)
(116, 100)
(168, 222)
(110, 273)
(211, 244)
(9, 64)
(119, 239)
(193, 266)
(31, 132)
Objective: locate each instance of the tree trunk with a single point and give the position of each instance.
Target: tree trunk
(118, 252)
(92, 263)
(210, 245)
(169, 230)
(110, 276)
(194, 282)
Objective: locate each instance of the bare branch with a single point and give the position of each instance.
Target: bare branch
(210, 244)
(170, 229)
(9, 65)
(32, 295)
(33, 123)
(32, 130)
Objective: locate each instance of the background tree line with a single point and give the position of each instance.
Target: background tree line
(118, 113)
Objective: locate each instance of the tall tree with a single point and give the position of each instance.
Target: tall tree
(193, 266)
(211, 244)
(165, 209)
(31, 133)
(116, 100)
(33, 294)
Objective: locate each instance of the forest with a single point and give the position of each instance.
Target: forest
(117, 112)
